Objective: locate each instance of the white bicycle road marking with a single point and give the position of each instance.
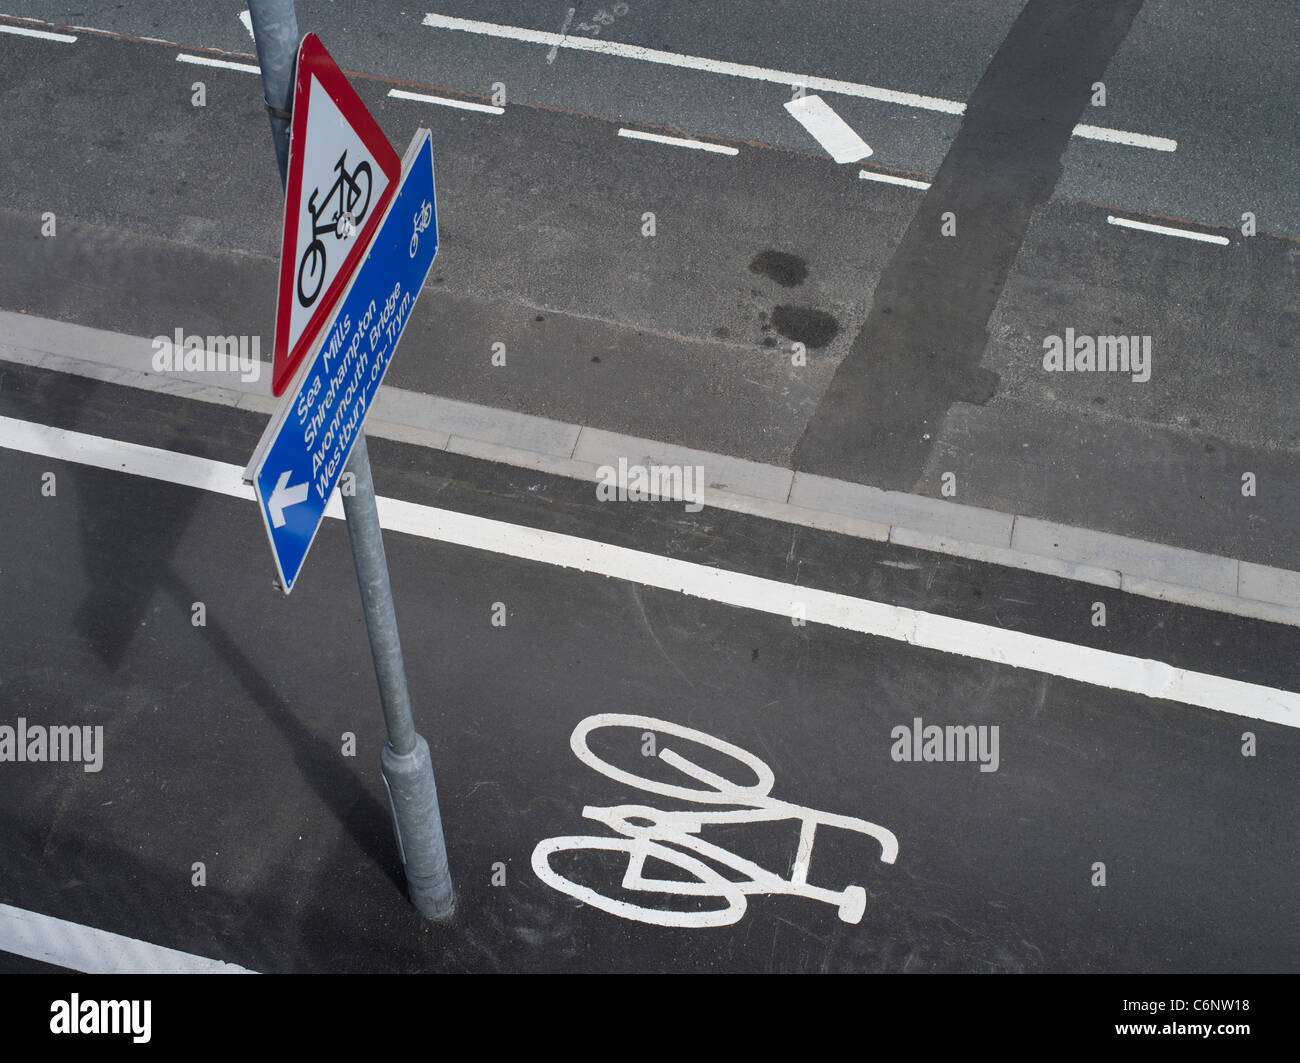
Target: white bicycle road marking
(660, 829)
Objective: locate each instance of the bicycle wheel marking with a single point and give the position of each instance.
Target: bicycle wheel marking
(673, 836)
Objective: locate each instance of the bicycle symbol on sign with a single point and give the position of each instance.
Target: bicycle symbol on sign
(350, 197)
(422, 218)
(650, 833)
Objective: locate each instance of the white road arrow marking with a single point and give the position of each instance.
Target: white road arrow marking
(284, 496)
(829, 129)
(247, 20)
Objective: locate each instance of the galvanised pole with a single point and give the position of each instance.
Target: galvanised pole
(405, 760)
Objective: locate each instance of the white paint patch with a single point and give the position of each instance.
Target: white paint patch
(681, 828)
(890, 179)
(681, 142)
(788, 78)
(444, 101)
(829, 129)
(247, 20)
(1121, 136)
(1165, 230)
(965, 638)
(225, 64)
(564, 32)
(83, 948)
(44, 35)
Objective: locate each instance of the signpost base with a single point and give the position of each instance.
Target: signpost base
(414, 800)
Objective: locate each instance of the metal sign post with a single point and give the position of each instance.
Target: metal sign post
(406, 763)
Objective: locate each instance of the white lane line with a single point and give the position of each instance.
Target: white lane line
(83, 948)
(445, 101)
(247, 19)
(829, 129)
(120, 456)
(225, 64)
(681, 142)
(890, 179)
(564, 32)
(45, 35)
(756, 73)
(1121, 136)
(966, 638)
(1165, 230)
(692, 62)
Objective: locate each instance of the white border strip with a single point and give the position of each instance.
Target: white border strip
(225, 64)
(963, 637)
(890, 179)
(83, 948)
(444, 101)
(1165, 230)
(45, 35)
(681, 142)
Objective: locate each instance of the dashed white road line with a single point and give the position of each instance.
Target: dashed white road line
(84, 948)
(829, 129)
(965, 638)
(1121, 136)
(45, 35)
(758, 73)
(890, 179)
(445, 101)
(225, 64)
(681, 142)
(1165, 230)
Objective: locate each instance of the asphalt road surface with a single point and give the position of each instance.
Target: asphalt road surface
(224, 743)
(169, 217)
(1104, 796)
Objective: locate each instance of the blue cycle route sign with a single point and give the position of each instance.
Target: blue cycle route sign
(301, 456)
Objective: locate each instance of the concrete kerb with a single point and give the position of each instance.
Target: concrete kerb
(576, 451)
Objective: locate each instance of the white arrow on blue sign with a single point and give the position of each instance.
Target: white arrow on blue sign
(301, 457)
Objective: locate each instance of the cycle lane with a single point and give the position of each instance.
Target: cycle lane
(224, 744)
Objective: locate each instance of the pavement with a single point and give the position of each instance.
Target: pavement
(799, 498)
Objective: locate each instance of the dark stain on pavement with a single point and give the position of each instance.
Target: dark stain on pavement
(786, 269)
(815, 328)
(921, 345)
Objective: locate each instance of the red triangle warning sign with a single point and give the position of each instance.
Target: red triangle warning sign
(342, 174)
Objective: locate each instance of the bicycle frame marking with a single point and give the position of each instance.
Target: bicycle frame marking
(347, 189)
(680, 828)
